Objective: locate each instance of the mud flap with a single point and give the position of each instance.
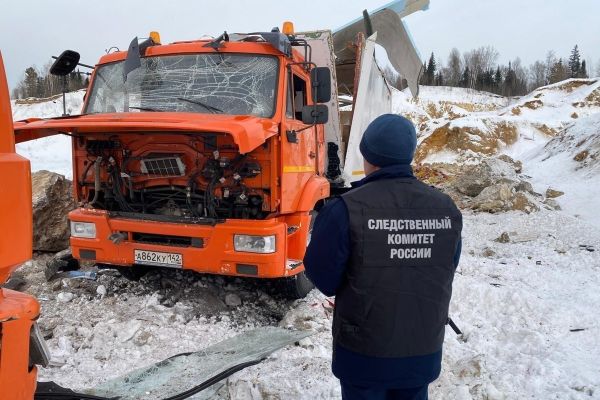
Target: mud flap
(185, 375)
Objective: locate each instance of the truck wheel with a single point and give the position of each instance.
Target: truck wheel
(298, 286)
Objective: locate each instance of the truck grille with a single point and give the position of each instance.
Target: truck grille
(165, 166)
(167, 240)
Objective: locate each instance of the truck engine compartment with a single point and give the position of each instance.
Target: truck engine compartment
(174, 175)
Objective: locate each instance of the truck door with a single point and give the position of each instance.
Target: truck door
(299, 153)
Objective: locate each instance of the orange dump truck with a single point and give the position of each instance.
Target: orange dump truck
(212, 155)
(205, 155)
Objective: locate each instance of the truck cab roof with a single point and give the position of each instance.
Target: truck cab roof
(244, 43)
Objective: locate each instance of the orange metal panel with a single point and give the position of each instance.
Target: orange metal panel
(15, 193)
(17, 310)
(17, 377)
(216, 257)
(248, 132)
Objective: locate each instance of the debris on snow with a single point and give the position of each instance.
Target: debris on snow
(65, 297)
(233, 300)
(101, 290)
(553, 193)
(503, 238)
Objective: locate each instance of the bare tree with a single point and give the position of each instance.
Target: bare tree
(551, 61)
(455, 68)
(480, 60)
(521, 74)
(537, 75)
(590, 67)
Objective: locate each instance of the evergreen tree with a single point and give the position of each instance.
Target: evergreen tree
(439, 79)
(559, 72)
(498, 80)
(510, 82)
(583, 70)
(465, 78)
(431, 70)
(574, 62)
(31, 82)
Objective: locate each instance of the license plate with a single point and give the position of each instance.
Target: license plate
(172, 260)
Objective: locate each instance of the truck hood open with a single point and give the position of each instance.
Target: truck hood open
(248, 132)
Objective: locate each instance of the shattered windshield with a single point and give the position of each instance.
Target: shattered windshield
(215, 83)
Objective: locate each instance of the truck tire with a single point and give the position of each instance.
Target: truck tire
(298, 286)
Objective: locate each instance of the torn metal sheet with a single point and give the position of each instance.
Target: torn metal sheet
(392, 35)
(184, 375)
(373, 98)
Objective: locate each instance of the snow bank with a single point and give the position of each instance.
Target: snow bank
(51, 153)
(457, 120)
(571, 163)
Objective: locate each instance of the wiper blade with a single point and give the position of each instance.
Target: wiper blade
(200, 103)
(145, 109)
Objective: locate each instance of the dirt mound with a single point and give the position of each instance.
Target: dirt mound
(593, 100)
(453, 110)
(459, 130)
(571, 84)
(485, 138)
(37, 100)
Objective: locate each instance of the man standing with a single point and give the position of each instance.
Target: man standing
(387, 250)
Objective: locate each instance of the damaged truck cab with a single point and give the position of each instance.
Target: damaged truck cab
(211, 155)
(205, 155)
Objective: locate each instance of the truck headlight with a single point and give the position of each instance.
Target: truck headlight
(83, 230)
(254, 244)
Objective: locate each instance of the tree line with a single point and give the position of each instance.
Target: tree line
(478, 69)
(41, 84)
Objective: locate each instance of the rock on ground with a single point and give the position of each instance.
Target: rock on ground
(52, 201)
(487, 173)
(494, 185)
(504, 197)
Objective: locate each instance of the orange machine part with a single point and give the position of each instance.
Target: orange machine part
(17, 310)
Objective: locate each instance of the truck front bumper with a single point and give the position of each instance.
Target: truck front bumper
(210, 248)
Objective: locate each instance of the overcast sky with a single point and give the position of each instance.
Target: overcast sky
(33, 30)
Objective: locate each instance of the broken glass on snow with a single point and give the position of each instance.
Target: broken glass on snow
(237, 84)
(183, 373)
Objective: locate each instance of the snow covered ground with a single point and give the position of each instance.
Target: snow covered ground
(528, 307)
(51, 153)
(555, 165)
(528, 310)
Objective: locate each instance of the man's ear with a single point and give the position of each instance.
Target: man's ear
(369, 168)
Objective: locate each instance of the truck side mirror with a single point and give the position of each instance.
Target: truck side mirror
(320, 78)
(315, 114)
(65, 63)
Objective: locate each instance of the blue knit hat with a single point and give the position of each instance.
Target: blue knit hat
(390, 139)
